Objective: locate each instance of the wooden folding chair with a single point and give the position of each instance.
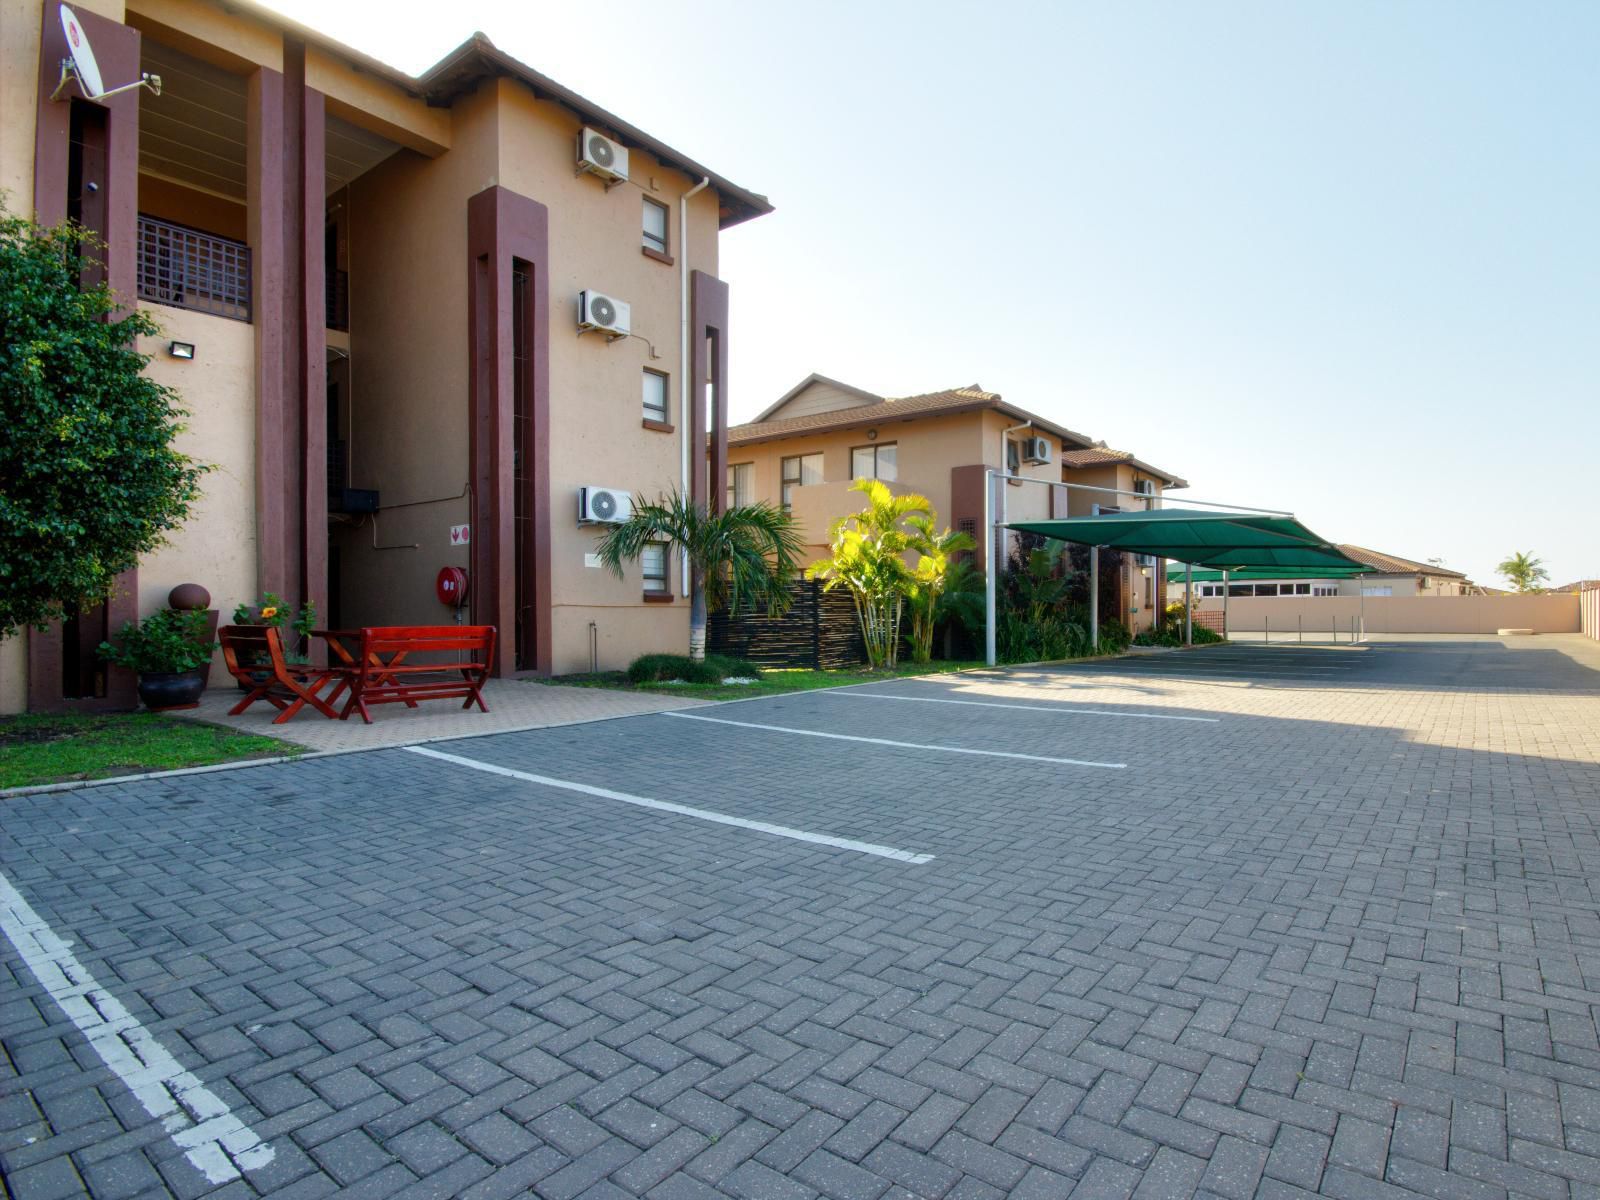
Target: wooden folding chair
(254, 656)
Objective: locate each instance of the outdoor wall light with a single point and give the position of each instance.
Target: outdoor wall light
(180, 349)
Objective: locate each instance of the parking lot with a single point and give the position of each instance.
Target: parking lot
(1250, 920)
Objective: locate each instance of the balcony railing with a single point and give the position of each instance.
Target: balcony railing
(186, 268)
(337, 292)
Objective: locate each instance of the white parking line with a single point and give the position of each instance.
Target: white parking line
(683, 810)
(1061, 709)
(850, 737)
(212, 1138)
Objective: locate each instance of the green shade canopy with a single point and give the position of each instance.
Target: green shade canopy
(1274, 543)
(1176, 571)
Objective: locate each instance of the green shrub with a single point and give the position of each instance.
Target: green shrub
(167, 642)
(660, 668)
(91, 478)
(1171, 634)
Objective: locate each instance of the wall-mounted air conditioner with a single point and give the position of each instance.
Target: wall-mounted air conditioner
(604, 313)
(601, 156)
(604, 506)
(1036, 449)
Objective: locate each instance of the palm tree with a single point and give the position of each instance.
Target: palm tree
(747, 554)
(1523, 571)
(935, 562)
(867, 556)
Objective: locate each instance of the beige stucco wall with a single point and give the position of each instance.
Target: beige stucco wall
(1404, 614)
(596, 434)
(926, 450)
(406, 405)
(216, 546)
(408, 343)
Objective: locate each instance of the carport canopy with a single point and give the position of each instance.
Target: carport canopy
(1247, 574)
(1224, 541)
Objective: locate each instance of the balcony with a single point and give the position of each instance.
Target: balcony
(187, 268)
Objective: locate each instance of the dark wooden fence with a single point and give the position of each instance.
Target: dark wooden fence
(818, 631)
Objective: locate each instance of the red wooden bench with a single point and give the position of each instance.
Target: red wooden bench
(388, 671)
(254, 656)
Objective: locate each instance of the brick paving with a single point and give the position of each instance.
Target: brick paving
(1343, 942)
(513, 704)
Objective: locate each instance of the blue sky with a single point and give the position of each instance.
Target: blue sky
(1341, 258)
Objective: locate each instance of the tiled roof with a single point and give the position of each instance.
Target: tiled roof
(1096, 456)
(1389, 564)
(951, 400)
(1093, 457)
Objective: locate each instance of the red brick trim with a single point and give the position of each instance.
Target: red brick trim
(708, 316)
(503, 228)
(117, 50)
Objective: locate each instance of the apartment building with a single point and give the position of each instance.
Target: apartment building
(805, 450)
(412, 320)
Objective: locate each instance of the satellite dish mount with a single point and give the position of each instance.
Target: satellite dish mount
(80, 64)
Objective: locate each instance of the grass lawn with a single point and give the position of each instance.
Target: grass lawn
(53, 748)
(774, 681)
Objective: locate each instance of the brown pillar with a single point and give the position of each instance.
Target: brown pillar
(286, 168)
(114, 214)
(708, 356)
(506, 234)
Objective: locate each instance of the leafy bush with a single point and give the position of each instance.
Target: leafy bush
(168, 642)
(1043, 602)
(92, 481)
(1171, 634)
(661, 668)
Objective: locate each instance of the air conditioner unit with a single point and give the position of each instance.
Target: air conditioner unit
(601, 156)
(1036, 449)
(604, 506)
(605, 313)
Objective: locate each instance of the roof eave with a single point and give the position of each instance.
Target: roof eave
(478, 58)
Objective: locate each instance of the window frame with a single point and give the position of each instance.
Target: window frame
(663, 423)
(664, 591)
(732, 499)
(647, 240)
(875, 447)
(786, 481)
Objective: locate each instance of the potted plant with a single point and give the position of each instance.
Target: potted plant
(294, 628)
(166, 650)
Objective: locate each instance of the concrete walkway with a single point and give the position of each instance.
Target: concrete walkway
(513, 704)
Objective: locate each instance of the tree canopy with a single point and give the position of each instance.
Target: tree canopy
(89, 478)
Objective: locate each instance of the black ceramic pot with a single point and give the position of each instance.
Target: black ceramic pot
(162, 690)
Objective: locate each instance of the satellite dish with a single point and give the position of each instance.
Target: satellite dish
(81, 65)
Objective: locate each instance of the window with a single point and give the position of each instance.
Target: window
(653, 561)
(873, 462)
(654, 236)
(800, 471)
(1320, 589)
(1379, 590)
(741, 483)
(1302, 589)
(655, 397)
(1013, 458)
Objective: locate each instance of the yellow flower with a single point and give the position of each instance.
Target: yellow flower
(268, 613)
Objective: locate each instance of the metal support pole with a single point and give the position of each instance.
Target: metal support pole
(989, 567)
(1300, 626)
(1266, 628)
(1363, 610)
(1094, 598)
(1188, 604)
(1226, 588)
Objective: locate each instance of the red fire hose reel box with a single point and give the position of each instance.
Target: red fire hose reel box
(451, 586)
